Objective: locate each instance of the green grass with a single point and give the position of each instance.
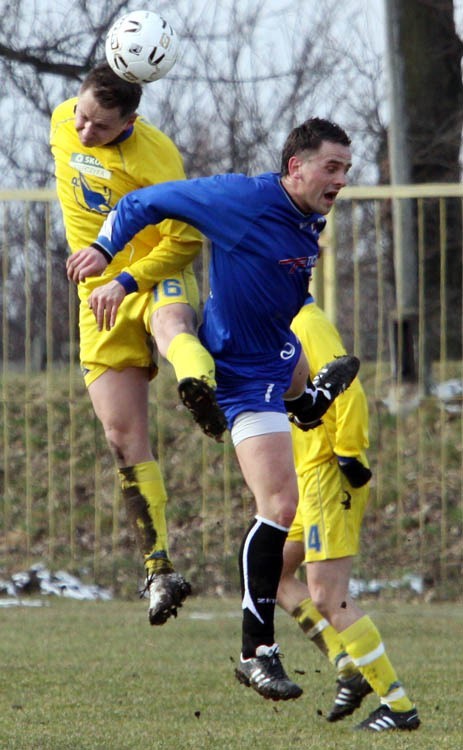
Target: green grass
(91, 675)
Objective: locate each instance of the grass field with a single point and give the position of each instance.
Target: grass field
(95, 675)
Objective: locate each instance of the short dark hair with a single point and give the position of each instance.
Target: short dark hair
(111, 91)
(309, 137)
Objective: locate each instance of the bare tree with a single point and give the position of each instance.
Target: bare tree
(250, 78)
(247, 72)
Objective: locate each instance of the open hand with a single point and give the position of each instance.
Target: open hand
(105, 301)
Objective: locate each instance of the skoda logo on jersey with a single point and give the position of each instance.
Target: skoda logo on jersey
(288, 351)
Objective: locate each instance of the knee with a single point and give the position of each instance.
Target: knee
(287, 511)
(121, 439)
(167, 322)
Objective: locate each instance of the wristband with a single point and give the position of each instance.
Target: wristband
(126, 280)
(102, 250)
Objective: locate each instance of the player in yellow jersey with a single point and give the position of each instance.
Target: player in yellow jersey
(333, 477)
(102, 150)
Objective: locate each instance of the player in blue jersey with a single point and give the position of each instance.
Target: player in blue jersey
(264, 234)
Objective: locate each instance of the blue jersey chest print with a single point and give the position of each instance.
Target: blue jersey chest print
(263, 250)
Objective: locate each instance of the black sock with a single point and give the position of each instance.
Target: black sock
(261, 561)
(310, 405)
(303, 402)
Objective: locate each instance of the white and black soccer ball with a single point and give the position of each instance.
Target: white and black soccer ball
(141, 47)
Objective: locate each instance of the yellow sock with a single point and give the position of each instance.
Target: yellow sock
(145, 498)
(324, 636)
(363, 643)
(190, 359)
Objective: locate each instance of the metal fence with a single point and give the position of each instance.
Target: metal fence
(397, 305)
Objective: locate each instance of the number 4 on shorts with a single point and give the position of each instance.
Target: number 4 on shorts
(313, 540)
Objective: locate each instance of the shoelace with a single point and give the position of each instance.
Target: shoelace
(274, 662)
(146, 588)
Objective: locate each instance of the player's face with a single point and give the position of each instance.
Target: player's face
(315, 178)
(95, 125)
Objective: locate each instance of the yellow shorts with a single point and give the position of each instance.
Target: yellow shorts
(129, 343)
(329, 514)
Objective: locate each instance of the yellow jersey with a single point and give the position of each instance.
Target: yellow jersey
(344, 431)
(90, 181)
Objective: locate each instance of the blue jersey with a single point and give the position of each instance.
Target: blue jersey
(263, 249)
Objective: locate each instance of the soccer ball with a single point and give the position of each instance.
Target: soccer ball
(141, 47)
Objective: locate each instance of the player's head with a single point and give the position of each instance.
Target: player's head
(106, 106)
(309, 137)
(315, 160)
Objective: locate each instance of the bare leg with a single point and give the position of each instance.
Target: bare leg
(170, 320)
(299, 379)
(328, 584)
(120, 400)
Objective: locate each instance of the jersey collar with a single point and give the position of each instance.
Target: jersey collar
(122, 137)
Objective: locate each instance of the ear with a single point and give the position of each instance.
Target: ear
(294, 167)
(131, 120)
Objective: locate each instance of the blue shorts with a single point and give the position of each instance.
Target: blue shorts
(254, 386)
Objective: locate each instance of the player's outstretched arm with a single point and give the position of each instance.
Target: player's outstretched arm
(84, 263)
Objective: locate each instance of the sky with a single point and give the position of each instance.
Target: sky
(369, 16)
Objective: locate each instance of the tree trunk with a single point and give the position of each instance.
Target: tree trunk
(429, 59)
